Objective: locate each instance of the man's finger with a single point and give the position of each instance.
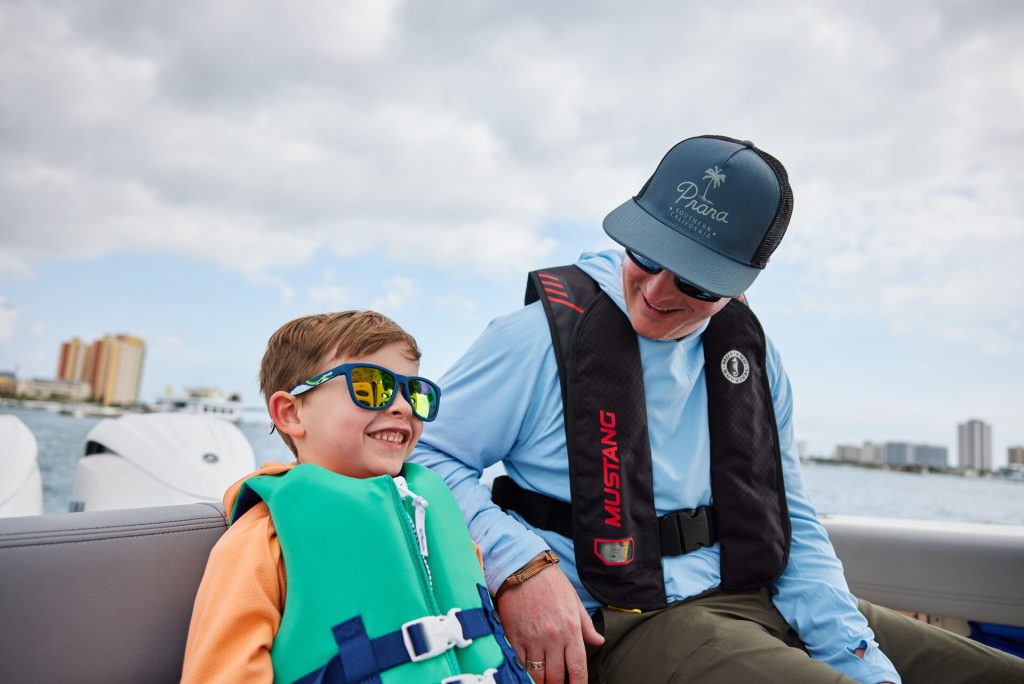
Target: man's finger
(554, 667)
(590, 634)
(535, 666)
(576, 662)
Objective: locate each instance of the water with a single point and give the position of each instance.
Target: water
(834, 489)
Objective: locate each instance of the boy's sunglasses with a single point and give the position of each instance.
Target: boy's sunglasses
(688, 289)
(373, 388)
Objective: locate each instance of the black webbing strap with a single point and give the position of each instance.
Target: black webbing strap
(539, 510)
(679, 532)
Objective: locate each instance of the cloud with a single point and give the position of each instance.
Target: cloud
(398, 292)
(260, 136)
(14, 265)
(8, 317)
(935, 257)
(332, 295)
(328, 292)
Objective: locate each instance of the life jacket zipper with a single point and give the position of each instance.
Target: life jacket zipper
(417, 521)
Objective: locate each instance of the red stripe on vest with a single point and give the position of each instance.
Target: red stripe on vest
(565, 303)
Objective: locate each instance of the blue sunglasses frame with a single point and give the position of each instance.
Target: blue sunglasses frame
(400, 380)
(685, 286)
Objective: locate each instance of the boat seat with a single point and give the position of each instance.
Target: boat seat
(107, 596)
(102, 596)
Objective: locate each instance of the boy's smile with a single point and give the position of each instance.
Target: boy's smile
(342, 437)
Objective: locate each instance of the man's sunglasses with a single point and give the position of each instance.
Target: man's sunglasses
(373, 388)
(687, 288)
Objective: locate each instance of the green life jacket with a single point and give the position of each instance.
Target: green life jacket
(383, 581)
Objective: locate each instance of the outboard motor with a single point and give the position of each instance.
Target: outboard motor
(159, 459)
(21, 487)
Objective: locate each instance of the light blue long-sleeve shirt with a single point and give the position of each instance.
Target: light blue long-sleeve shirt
(502, 402)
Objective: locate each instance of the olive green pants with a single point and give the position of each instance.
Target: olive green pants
(739, 637)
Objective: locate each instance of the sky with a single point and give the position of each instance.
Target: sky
(198, 173)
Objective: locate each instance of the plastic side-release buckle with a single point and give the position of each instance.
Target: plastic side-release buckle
(432, 635)
(486, 678)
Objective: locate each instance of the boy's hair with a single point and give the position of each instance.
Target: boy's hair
(298, 348)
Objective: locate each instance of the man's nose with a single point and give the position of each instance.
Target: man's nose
(662, 286)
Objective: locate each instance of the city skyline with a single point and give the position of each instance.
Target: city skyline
(974, 447)
(974, 451)
(112, 367)
(154, 182)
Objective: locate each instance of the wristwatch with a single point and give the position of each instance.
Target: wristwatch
(545, 560)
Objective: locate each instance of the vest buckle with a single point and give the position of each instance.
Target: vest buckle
(686, 531)
(486, 678)
(432, 635)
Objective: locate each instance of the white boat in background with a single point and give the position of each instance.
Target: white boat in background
(21, 487)
(158, 459)
(203, 401)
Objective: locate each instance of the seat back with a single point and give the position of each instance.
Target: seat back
(101, 596)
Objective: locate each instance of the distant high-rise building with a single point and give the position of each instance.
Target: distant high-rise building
(72, 360)
(975, 444)
(872, 454)
(848, 453)
(931, 456)
(112, 366)
(8, 383)
(894, 454)
(1015, 454)
(118, 369)
(897, 453)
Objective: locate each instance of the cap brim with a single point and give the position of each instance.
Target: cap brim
(635, 229)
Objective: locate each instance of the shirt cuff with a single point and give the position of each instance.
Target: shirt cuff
(875, 667)
(498, 566)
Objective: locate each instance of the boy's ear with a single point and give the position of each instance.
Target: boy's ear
(284, 411)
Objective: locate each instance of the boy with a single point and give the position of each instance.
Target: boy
(333, 568)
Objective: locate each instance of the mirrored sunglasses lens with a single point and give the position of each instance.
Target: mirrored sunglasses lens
(372, 387)
(695, 292)
(644, 263)
(423, 397)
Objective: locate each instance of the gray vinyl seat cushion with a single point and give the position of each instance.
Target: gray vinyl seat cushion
(106, 596)
(101, 596)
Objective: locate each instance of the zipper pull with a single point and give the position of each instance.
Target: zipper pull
(419, 505)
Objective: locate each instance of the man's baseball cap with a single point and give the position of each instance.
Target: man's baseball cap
(712, 213)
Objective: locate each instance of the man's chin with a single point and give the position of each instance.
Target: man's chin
(672, 328)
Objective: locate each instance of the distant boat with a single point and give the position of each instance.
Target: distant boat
(203, 401)
(92, 411)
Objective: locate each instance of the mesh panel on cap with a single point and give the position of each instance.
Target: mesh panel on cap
(781, 221)
(777, 229)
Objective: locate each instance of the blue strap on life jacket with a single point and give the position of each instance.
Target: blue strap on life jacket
(511, 669)
(361, 660)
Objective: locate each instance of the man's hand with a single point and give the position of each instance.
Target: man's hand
(545, 622)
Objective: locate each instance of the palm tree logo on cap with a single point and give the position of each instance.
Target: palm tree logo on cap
(713, 176)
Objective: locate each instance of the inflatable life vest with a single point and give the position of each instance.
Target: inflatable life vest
(383, 582)
(618, 537)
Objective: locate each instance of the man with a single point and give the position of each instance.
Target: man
(644, 421)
